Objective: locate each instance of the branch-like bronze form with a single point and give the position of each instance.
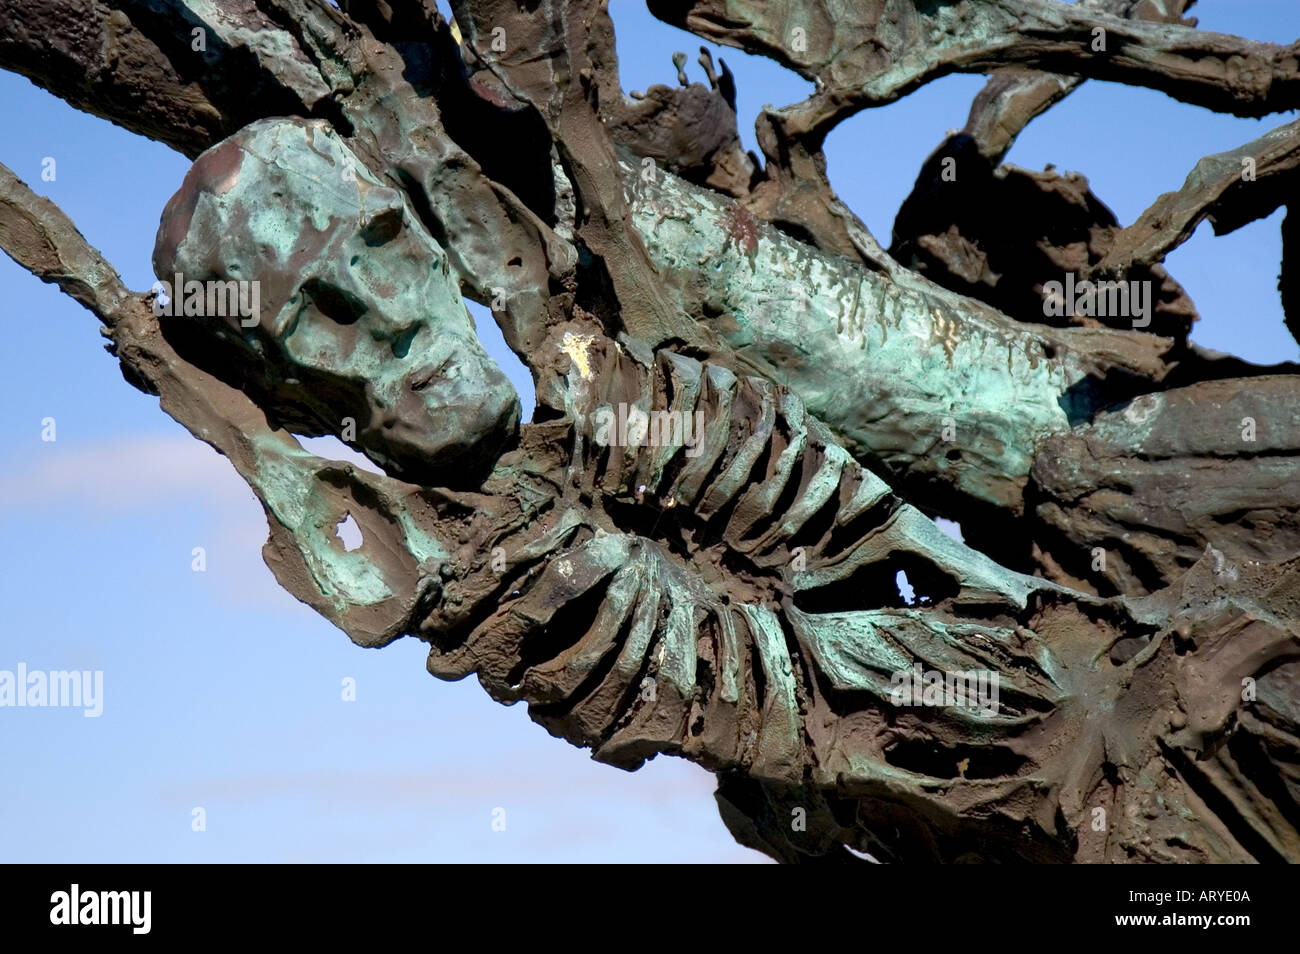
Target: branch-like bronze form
(1230, 189)
(373, 595)
(692, 549)
(871, 54)
(1012, 98)
(170, 74)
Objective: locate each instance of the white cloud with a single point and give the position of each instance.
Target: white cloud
(135, 473)
(159, 478)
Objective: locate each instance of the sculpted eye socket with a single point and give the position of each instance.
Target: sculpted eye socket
(336, 304)
(382, 227)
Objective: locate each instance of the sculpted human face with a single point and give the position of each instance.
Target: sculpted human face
(360, 316)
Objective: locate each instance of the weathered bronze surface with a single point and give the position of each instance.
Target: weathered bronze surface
(748, 413)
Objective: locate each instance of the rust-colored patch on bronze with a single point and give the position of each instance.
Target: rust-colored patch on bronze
(215, 172)
(742, 227)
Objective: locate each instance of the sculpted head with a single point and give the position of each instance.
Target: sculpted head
(358, 314)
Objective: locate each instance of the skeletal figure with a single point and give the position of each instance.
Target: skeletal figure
(734, 605)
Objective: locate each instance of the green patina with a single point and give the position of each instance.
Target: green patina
(900, 368)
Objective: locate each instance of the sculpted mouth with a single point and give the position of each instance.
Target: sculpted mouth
(422, 378)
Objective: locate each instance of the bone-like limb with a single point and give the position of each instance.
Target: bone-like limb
(734, 604)
(872, 53)
(755, 630)
(186, 77)
(951, 227)
(1231, 189)
(947, 394)
(1117, 512)
(371, 593)
(1012, 98)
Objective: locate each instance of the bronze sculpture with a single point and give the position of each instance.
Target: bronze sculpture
(691, 548)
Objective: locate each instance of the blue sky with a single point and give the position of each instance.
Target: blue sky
(223, 693)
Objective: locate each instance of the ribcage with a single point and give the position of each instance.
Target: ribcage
(734, 600)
